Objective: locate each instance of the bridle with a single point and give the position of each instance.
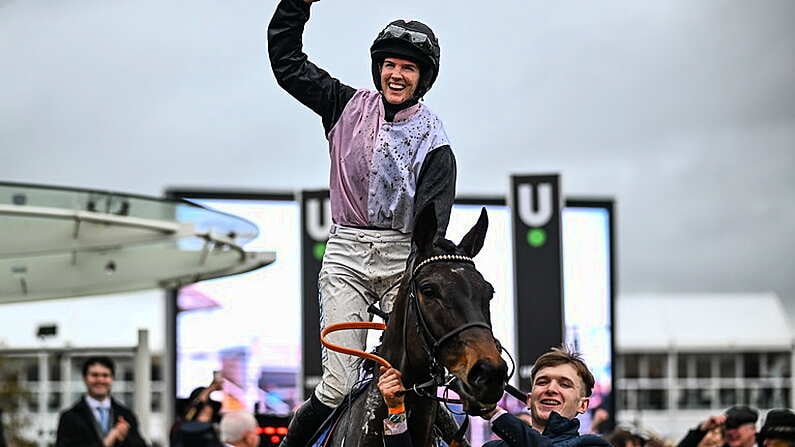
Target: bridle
(439, 376)
(431, 344)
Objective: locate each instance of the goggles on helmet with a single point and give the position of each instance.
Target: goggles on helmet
(398, 32)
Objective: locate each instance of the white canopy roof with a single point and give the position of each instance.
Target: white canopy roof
(701, 322)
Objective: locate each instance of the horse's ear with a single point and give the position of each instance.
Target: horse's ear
(473, 241)
(425, 228)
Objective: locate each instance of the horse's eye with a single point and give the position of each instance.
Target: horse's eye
(428, 292)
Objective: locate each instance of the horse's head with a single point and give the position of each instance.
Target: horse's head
(452, 307)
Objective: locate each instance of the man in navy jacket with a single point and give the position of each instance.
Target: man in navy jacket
(562, 386)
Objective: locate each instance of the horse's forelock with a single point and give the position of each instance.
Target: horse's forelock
(446, 247)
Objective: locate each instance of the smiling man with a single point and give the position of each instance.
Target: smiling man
(97, 419)
(390, 157)
(562, 386)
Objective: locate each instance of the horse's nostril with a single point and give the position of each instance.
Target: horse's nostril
(483, 372)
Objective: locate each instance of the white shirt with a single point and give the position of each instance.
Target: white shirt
(95, 404)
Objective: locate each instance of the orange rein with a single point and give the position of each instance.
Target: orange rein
(353, 325)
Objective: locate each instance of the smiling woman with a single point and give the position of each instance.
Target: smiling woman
(390, 158)
(399, 78)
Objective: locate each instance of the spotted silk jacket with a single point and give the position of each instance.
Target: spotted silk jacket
(386, 165)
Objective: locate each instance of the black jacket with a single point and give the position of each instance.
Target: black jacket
(327, 97)
(693, 437)
(77, 426)
(560, 432)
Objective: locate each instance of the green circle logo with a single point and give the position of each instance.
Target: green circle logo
(536, 237)
(318, 250)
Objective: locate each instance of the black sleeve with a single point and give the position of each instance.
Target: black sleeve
(516, 433)
(692, 438)
(302, 79)
(436, 184)
(69, 431)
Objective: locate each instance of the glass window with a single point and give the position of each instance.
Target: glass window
(778, 364)
(751, 364)
(765, 398)
(652, 399)
(681, 367)
(156, 371)
(32, 372)
(784, 397)
(631, 366)
(694, 399)
(156, 407)
(625, 399)
(744, 396)
(33, 402)
(55, 368)
(54, 402)
(727, 366)
(727, 397)
(703, 366)
(658, 364)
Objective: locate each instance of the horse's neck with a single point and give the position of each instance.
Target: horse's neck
(402, 346)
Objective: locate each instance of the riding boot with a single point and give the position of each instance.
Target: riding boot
(306, 421)
(447, 426)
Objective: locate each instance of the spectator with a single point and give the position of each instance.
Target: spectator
(779, 429)
(97, 419)
(239, 429)
(622, 438)
(738, 422)
(561, 384)
(197, 425)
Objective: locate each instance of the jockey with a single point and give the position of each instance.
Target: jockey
(390, 157)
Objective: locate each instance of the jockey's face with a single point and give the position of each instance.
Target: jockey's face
(399, 79)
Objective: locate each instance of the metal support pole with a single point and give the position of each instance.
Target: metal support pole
(44, 391)
(143, 383)
(66, 380)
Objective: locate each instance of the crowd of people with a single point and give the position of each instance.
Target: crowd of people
(561, 387)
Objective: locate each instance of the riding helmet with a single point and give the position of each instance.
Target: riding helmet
(410, 40)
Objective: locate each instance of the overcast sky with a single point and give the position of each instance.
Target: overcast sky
(682, 111)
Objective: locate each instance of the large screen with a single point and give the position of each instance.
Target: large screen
(588, 295)
(249, 326)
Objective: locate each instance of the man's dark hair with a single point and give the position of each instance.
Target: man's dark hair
(563, 356)
(103, 360)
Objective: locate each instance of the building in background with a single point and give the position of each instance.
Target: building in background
(682, 357)
(52, 378)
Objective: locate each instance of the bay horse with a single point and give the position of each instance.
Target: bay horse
(438, 333)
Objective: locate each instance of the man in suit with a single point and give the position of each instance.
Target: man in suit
(98, 420)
